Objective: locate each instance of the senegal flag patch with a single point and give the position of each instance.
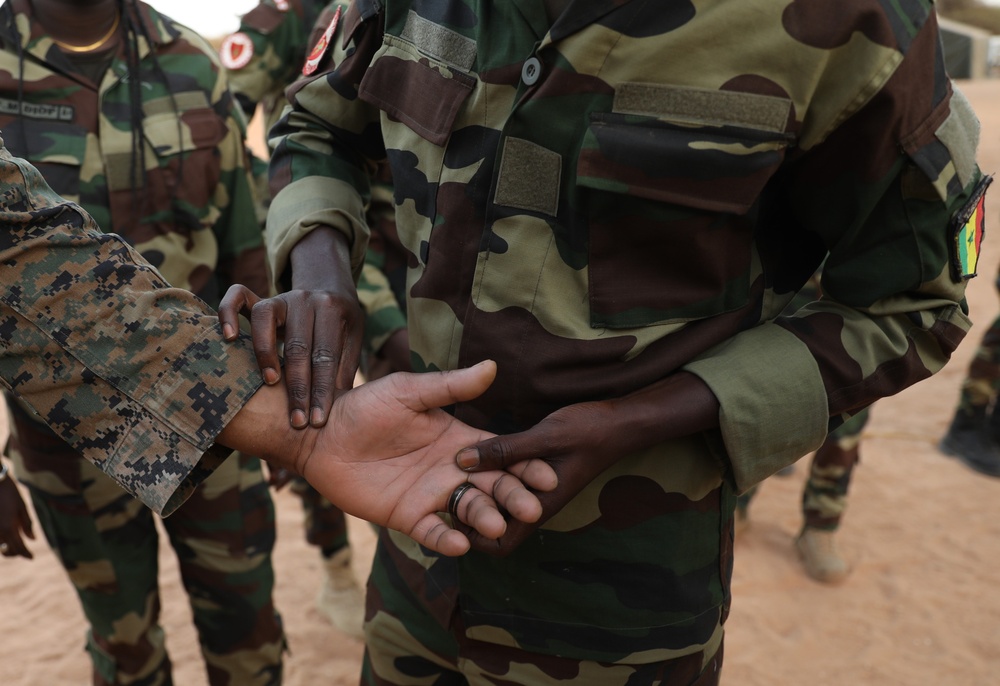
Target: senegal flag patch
(968, 226)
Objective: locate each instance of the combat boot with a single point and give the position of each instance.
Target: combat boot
(969, 439)
(340, 599)
(820, 557)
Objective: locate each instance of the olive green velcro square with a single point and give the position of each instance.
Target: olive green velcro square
(529, 177)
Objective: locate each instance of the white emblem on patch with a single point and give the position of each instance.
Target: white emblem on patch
(236, 51)
(322, 45)
(281, 5)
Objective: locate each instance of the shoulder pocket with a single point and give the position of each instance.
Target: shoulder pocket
(424, 94)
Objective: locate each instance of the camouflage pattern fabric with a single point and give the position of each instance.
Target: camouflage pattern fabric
(278, 35)
(325, 523)
(107, 541)
(982, 382)
(130, 372)
(824, 498)
(191, 214)
(599, 201)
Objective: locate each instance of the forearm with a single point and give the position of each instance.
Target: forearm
(261, 428)
(679, 405)
(322, 261)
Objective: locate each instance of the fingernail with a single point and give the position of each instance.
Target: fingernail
(317, 416)
(298, 419)
(270, 376)
(227, 332)
(468, 458)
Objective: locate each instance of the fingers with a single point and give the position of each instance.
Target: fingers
(508, 493)
(479, 511)
(266, 317)
(421, 392)
(536, 474)
(433, 532)
(299, 344)
(238, 299)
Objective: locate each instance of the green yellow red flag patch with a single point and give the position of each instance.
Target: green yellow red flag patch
(968, 226)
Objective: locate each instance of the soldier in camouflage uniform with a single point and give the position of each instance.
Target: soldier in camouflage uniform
(264, 56)
(140, 129)
(134, 374)
(974, 433)
(616, 203)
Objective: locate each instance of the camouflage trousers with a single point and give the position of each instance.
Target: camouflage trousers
(405, 645)
(325, 523)
(107, 541)
(981, 384)
(824, 497)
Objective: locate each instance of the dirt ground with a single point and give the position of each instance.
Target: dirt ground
(922, 533)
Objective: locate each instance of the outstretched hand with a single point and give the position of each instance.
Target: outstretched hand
(387, 455)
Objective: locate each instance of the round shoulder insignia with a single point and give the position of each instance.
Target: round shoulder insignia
(236, 51)
(322, 45)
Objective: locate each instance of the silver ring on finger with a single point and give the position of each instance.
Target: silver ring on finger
(323, 359)
(3, 547)
(455, 499)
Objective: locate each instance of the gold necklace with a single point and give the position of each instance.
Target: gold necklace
(96, 44)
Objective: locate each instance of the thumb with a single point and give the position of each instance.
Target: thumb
(437, 389)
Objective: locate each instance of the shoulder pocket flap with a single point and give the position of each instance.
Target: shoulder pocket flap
(714, 168)
(410, 88)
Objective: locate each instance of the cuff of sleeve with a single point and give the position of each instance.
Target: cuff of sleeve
(773, 406)
(306, 205)
(186, 410)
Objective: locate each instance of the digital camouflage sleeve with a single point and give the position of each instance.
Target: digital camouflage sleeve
(132, 373)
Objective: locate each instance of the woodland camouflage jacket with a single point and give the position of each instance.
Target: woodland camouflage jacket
(637, 188)
(195, 202)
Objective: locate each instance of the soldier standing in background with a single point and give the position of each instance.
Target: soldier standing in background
(128, 113)
(263, 57)
(615, 203)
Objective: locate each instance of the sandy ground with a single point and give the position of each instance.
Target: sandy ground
(922, 533)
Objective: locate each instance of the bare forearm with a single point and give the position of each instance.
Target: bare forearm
(680, 405)
(261, 428)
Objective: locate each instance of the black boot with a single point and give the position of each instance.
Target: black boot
(969, 439)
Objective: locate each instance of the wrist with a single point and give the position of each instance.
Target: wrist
(262, 428)
(321, 261)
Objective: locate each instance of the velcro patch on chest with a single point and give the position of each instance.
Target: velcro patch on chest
(967, 228)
